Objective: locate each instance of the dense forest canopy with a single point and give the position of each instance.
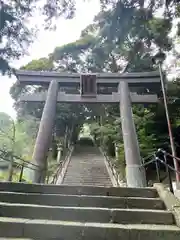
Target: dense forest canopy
(119, 21)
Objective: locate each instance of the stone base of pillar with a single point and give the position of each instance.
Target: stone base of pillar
(135, 175)
(38, 175)
(177, 184)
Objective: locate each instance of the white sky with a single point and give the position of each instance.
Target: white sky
(67, 31)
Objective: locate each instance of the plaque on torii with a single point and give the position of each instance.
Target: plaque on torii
(88, 85)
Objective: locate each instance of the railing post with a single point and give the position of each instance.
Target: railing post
(10, 169)
(168, 173)
(59, 155)
(21, 173)
(157, 168)
(47, 177)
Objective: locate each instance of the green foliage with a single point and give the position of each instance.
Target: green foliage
(79, 46)
(7, 132)
(16, 142)
(118, 22)
(14, 35)
(42, 64)
(18, 136)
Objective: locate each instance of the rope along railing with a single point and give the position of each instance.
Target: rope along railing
(160, 158)
(19, 163)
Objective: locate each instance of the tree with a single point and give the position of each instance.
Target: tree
(15, 35)
(7, 132)
(16, 140)
(116, 17)
(18, 136)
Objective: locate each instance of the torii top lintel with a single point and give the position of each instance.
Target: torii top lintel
(44, 77)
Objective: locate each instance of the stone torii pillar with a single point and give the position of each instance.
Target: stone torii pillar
(135, 173)
(44, 136)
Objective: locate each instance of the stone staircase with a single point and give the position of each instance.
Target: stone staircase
(34, 211)
(87, 167)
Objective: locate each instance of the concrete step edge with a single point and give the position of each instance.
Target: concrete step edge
(47, 229)
(84, 208)
(134, 210)
(87, 214)
(90, 224)
(82, 200)
(64, 185)
(78, 196)
(81, 190)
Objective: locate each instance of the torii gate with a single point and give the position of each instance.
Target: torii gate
(90, 92)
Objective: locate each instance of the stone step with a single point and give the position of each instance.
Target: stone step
(78, 190)
(86, 214)
(78, 179)
(82, 184)
(82, 201)
(87, 182)
(87, 177)
(87, 167)
(87, 174)
(46, 230)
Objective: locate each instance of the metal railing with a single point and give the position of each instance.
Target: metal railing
(61, 165)
(113, 168)
(159, 159)
(18, 163)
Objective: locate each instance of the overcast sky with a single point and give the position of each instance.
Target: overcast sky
(67, 31)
